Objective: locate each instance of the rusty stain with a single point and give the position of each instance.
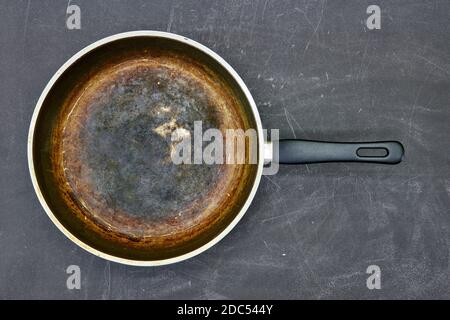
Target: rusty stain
(112, 140)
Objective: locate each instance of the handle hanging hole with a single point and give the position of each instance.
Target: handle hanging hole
(372, 152)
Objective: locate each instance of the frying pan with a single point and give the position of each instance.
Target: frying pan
(99, 141)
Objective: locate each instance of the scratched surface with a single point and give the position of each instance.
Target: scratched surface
(316, 72)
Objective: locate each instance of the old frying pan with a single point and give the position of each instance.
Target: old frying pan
(100, 136)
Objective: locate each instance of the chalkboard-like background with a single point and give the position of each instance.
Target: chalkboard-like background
(316, 72)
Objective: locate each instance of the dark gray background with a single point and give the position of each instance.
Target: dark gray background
(316, 72)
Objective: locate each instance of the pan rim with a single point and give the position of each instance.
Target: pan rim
(71, 61)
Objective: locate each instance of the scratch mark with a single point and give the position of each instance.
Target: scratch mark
(359, 75)
(299, 212)
(27, 16)
(253, 25)
(296, 122)
(307, 168)
(107, 275)
(264, 9)
(433, 64)
(305, 16)
(315, 29)
(268, 59)
(413, 110)
(91, 262)
(289, 123)
(369, 194)
(273, 182)
(299, 253)
(171, 15)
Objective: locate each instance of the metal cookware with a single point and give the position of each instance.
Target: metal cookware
(100, 137)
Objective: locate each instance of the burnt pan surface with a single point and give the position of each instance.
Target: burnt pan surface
(102, 147)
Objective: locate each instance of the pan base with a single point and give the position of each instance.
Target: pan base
(117, 144)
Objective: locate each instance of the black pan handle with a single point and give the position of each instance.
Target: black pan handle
(305, 151)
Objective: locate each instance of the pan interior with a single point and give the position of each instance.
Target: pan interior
(103, 145)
